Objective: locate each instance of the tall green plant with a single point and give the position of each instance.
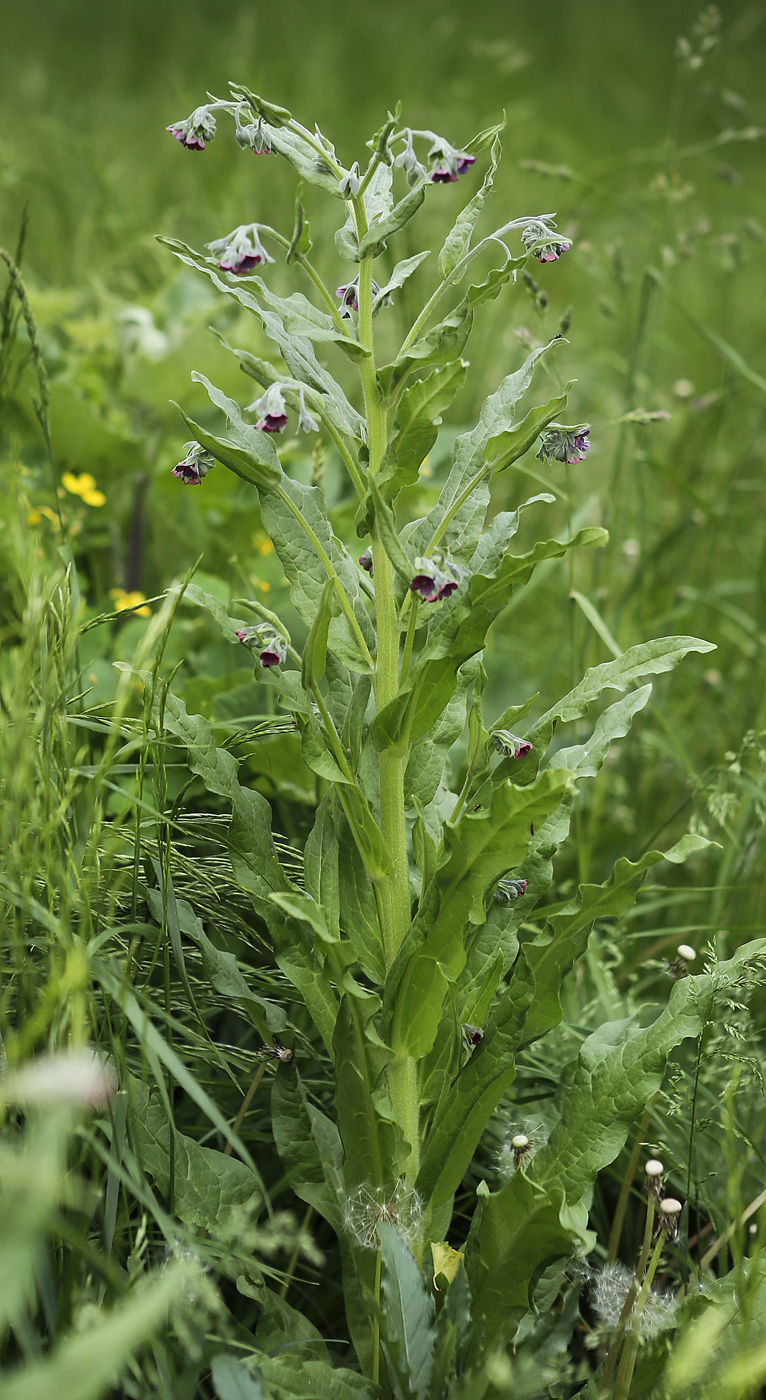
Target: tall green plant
(408, 937)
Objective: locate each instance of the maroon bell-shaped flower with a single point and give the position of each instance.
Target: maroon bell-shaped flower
(198, 129)
(509, 745)
(508, 890)
(435, 578)
(447, 163)
(559, 443)
(196, 464)
(365, 561)
(273, 653)
(271, 648)
(474, 1035)
(272, 410)
(241, 251)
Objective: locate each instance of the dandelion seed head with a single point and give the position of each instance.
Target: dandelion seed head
(369, 1206)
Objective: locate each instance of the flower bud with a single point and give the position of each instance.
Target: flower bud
(365, 561)
(562, 444)
(271, 648)
(509, 745)
(408, 161)
(272, 409)
(508, 890)
(474, 1035)
(252, 137)
(307, 423)
(349, 185)
(195, 465)
(195, 131)
(435, 578)
(540, 239)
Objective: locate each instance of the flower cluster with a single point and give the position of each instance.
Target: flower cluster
(271, 647)
(252, 137)
(241, 250)
(435, 578)
(509, 745)
(196, 130)
(541, 239)
(369, 1206)
(562, 444)
(445, 161)
(508, 890)
(196, 464)
(272, 411)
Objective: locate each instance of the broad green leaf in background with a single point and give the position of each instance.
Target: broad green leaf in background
(233, 1381)
(309, 1147)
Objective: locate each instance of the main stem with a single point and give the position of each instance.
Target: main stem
(395, 893)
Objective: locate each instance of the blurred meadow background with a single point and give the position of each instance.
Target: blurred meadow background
(651, 153)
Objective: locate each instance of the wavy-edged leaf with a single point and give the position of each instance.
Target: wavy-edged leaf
(371, 1138)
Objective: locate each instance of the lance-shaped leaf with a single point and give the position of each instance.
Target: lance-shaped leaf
(457, 633)
(247, 460)
(389, 538)
(468, 458)
(374, 240)
(407, 1318)
(315, 647)
(370, 1135)
(309, 1146)
(618, 1070)
(553, 953)
(446, 341)
(479, 849)
(358, 909)
(320, 862)
(585, 760)
(458, 239)
(305, 159)
(300, 243)
(399, 276)
(474, 1094)
(505, 449)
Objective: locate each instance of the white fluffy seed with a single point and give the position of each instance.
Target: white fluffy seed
(520, 1141)
(686, 952)
(654, 1167)
(670, 1206)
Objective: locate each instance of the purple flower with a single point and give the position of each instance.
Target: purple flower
(509, 745)
(272, 409)
(195, 465)
(365, 561)
(240, 251)
(550, 245)
(508, 890)
(272, 649)
(435, 578)
(559, 443)
(473, 1034)
(195, 131)
(447, 163)
(348, 297)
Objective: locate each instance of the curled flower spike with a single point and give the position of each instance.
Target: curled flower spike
(508, 890)
(550, 244)
(365, 561)
(369, 1206)
(241, 250)
(435, 578)
(252, 137)
(271, 648)
(562, 444)
(272, 409)
(509, 745)
(474, 1035)
(196, 464)
(307, 423)
(198, 129)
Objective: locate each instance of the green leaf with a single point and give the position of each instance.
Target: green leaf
(358, 910)
(474, 1094)
(386, 527)
(507, 447)
(416, 426)
(206, 1184)
(299, 355)
(399, 276)
(407, 1318)
(216, 767)
(370, 1136)
(375, 238)
(300, 243)
(309, 1147)
(485, 137)
(585, 760)
(238, 459)
(295, 1378)
(552, 953)
(315, 647)
(320, 862)
(458, 239)
(480, 848)
(457, 633)
(233, 1381)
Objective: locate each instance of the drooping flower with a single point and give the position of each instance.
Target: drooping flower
(253, 136)
(550, 245)
(348, 297)
(271, 647)
(365, 561)
(272, 410)
(195, 465)
(408, 161)
(196, 131)
(474, 1035)
(509, 745)
(369, 1206)
(447, 162)
(435, 578)
(508, 890)
(349, 185)
(562, 444)
(307, 423)
(241, 250)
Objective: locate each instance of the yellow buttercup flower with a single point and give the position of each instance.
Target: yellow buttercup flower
(262, 543)
(83, 486)
(124, 599)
